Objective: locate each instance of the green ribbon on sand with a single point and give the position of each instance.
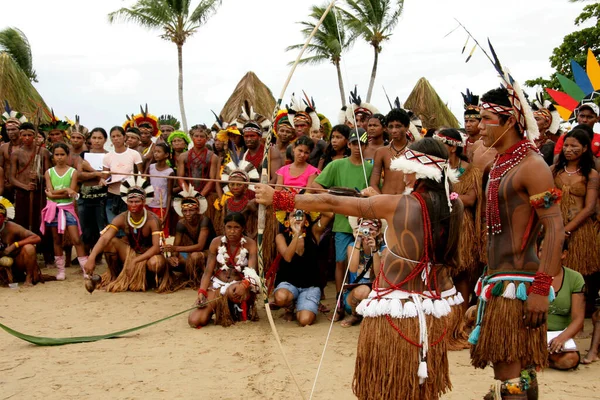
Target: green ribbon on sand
(45, 341)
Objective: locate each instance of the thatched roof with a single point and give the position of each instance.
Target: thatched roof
(425, 102)
(257, 93)
(18, 90)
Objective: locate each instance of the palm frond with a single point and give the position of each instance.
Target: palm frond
(205, 10)
(14, 42)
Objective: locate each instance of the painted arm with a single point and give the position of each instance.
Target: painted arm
(214, 168)
(589, 207)
(13, 174)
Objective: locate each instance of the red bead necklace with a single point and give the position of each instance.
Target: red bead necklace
(234, 205)
(502, 164)
(256, 158)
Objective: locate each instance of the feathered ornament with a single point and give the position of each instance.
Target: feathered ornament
(189, 193)
(9, 113)
(249, 117)
(55, 124)
(76, 127)
(137, 185)
(303, 109)
(144, 117)
(8, 207)
(243, 168)
(357, 106)
(170, 120)
(414, 129)
(470, 99)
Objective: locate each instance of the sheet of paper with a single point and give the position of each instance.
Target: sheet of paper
(95, 160)
(569, 344)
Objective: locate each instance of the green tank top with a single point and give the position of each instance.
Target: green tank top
(61, 182)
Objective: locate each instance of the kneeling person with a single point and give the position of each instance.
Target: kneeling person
(229, 289)
(130, 258)
(298, 276)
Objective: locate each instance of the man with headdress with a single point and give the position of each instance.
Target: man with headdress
(304, 118)
(548, 122)
(254, 127)
(148, 126)
(238, 195)
(27, 166)
(401, 348)
(223, 145)
(78, 135)
(358, 111)
(516, 287)
(167, 124)
(194, 232)
(472, 118)
(285, 133)
(17, 248)
(133, 260)
(11, 120)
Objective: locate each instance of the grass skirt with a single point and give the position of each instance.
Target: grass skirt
(504, 337)
(469, 246)
(194, 267)
(387, 365)
(583, 254)
(132, 276)
(226, 315)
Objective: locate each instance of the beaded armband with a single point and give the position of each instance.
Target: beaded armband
(156, 233)
(541, 284)
(545, 199)
(284, 200)
(107, 227)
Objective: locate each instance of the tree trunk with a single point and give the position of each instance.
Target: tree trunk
(373, 74)
(180, 87)
(341, 83)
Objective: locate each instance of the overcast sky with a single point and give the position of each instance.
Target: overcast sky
(101, 72)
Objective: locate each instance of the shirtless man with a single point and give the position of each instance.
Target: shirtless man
(129, 261)
(256, 149)
(511, 329)
(285, 135)
(18, 244)
(401, 287)
(193, 233)
(198, 162)
(146, 147)
(472, 117)
(78, 138)
(398, 122)
(27, 166)
(228, 283)
(6, 150)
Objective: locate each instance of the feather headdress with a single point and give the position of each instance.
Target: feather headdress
(250, 120)
(471, 101)
(7, 207)
(357, 106)
(414, 128)
(55, 124)
(243, 169)
(304, 110)
(12, 115)
(170, 120)
(136, 186)
(189, 195)
(76, 127)
(144, 117)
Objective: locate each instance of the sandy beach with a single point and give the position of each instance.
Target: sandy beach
(171, 360)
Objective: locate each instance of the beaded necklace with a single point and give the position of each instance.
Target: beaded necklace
(502, 164)
(196, 161)
(136, 224)
(256, 158)
(234, 205)
(240, 256)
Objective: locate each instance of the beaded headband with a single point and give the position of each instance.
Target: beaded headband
(137, 187)
(189, 198)
(448, 140)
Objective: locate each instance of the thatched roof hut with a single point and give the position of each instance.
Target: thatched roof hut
(17, 89)
(252, 89)
(425, 102)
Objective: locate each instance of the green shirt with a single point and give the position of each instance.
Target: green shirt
(559, 311)
(343, 173)
(61, 182)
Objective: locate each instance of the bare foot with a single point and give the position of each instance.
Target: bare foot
(589, 358)
(289, 315)
(337, 316)
(351, 320)
(323, 308)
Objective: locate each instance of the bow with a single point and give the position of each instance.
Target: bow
(262, 208)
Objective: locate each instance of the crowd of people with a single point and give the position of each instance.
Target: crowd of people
(168, 209)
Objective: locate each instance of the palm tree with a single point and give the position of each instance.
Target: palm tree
(329, 42)
(374, 20)
(14, 43)
(176, 21)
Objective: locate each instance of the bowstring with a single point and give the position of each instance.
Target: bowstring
(339, 297)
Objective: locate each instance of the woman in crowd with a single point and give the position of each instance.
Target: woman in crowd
(120, 160)
(178, 141)
(338, 146)
(575, 176)
(163, 187)
(297, 282)
(300, 172)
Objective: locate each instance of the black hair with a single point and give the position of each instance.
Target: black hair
(588, 129)
(500, 96)
(329, 153)
(117, 128)
(398, 115)
(381, 118)
(305, 141)
(235, 217)
(134, 130)
(101, 130)
(145, 125)
(60, 145)
(27, 126)
(445, 225)
(163, 146)
(586, 162)
(455, 134)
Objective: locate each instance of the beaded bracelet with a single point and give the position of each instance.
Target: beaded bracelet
(541, 284)
(202, 291)
(284, 200)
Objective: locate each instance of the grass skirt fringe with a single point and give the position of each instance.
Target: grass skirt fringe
(132, 277)
(387, 365)
(6, 275)
(457, 337)
(193, 269)
(504, 337)
(584, 249)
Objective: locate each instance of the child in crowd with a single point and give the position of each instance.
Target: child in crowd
(163, 187)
